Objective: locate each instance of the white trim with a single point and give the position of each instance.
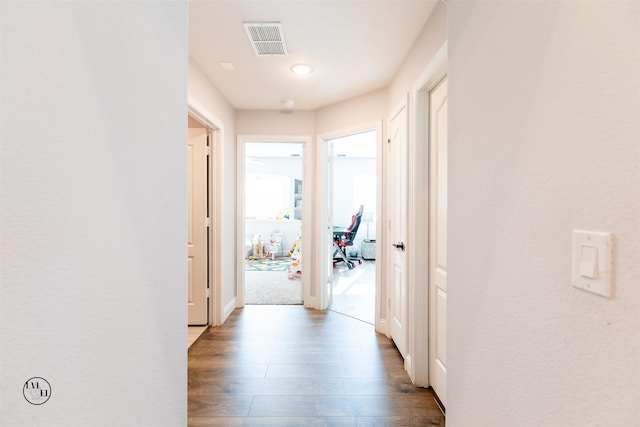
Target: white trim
(215, 128)
(240, 188)
(417, 346)
(381, 323)
(307, 220)
(207, 119)
(322, 217)
(228, 309)
(434, 72)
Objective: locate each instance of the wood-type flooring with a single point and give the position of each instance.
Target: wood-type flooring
(291, 366)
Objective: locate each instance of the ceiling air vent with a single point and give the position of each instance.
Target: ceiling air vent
(266, 38)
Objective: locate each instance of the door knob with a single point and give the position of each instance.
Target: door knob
(399, 245)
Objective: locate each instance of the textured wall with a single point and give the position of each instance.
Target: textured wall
(354, 112)
(429, 41)
(93, 201)
(544, 129)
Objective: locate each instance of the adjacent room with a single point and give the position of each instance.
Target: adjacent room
(273, 221)
(353, 204)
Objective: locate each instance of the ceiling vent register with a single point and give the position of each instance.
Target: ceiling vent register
(267, 38)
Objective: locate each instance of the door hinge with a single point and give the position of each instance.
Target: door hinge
(207, 150)
(208, 292)
(207, 222)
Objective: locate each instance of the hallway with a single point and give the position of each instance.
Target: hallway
(291, 366)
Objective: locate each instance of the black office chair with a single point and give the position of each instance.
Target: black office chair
(343, 238)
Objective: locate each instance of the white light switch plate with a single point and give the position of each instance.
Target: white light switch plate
(591, 268)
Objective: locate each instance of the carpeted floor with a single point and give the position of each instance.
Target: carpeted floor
(271, 287)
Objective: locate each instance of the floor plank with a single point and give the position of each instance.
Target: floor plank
(290, 366)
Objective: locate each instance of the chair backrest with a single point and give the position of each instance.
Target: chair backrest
(352, 230)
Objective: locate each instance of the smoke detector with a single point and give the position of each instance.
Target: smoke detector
(267, 38)
(287, 106)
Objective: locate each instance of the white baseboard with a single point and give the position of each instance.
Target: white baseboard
(228, 309)
(382, 327)
(312, 302)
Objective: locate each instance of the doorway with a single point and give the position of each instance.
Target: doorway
(352, 202)
(273, 177)
(273, 201)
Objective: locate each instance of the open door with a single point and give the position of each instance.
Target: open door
(197, 230)
(330, 249)
(398, 232)
(438, 241)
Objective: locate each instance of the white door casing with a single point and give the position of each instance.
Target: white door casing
(438, 241)
(197, 229)
(329, 264)
(398, 227)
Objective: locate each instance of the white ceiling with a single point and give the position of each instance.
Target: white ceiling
(354, 46)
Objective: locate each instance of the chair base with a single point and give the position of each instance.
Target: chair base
(350, 264)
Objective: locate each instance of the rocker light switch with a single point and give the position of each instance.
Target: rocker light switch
(591, 269)
(588, 262)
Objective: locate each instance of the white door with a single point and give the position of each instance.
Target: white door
(330, 247)
(197, 233)
(438, 240)
(398, 216)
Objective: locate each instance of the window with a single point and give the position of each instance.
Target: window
(267, 196)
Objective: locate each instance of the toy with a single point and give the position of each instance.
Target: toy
(258, 247)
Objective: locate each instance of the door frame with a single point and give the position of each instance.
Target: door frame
(417, 362)
(308, 194)
(200, 199)
(215, 130)
(321, 212)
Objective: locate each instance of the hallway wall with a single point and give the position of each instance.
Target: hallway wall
(93, 196)
(358, 111)
(256, 122)
(544, 138)
(431, 38)
(208, 100)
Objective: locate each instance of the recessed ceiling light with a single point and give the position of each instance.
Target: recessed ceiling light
(227, 66)
(301, 69)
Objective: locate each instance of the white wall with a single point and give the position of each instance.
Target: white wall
(544, 137)
(209, 102)
(93, 197)
(345, 194)
(252, 122)
(432, 37)
(354, 112)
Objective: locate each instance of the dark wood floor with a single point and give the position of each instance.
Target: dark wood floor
(290, 366)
